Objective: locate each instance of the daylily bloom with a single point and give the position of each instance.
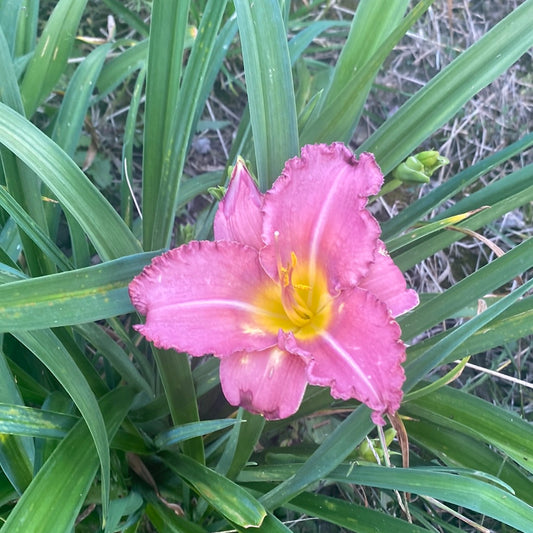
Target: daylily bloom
(297, 288)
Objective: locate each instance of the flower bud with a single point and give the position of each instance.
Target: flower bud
(420, 167)
(217, 192)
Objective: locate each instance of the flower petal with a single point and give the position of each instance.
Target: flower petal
(360, 354)
(316, 210)
(270, 382)
(199, 298)
(239, 216)
(385, 280)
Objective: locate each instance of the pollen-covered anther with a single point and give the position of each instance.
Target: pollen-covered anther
(295, 306)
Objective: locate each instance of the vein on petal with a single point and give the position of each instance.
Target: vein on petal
(345, 356)
(318, 228)
(217, 302)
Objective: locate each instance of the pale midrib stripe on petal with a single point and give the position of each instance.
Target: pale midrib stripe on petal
(217, 302)
(318, 228)
(345, 356)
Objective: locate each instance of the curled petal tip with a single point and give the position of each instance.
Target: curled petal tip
(239, 216)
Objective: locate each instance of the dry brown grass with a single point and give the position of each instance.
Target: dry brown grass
(497, 116)
(494, 118)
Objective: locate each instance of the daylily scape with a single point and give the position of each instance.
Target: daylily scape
(297, 288)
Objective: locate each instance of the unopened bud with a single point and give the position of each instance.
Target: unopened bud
(432, 161)
(217, 192)
(418, 168)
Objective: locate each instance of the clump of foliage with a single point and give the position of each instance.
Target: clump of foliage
(101, 430)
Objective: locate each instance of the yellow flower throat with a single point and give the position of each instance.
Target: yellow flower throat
(296, 302)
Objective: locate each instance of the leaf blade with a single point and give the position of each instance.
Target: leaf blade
(67, 475)
(110, 236)
(73, 297)
(447, 92)
(51, 53)
(231, 500)
(270, 87)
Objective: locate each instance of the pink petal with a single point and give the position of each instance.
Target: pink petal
(198, 298)
(316, 209)
(359, 355)
(385, 280)
(270, 382)
(239, 216)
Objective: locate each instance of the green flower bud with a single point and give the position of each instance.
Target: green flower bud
(186, 233)
(368, 449)
(420, 167)
(217, 192)
(432, 161)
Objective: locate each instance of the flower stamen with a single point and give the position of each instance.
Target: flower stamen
(294, 304)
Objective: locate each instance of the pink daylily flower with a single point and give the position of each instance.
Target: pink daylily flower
(297, 288)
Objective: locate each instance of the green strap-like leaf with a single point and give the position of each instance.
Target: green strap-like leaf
(480, 419)
(69, 121)
(229, 499)
(481, 282)
(349, 515)
(120, 507)
(372, 24)
(22, 184)
(335, 448)
(51, 54)
(27, 23)
(460, 490)
(120, 67)
(113, 353)
(455, 449)
(161, 190)
(447, 92)
(434, 356)
(175, 371)
(171, 437)
(487, 495)
(514, 323)
(9, 89)
(53, 500)
(66, 134)
(110, 236)
(269, 84)
(415, 211)
(68, 298)
(165, 53)
(19, 420)
(15, 462)
(32, 390)
(241, 444)
(521, 193)
(337, 116)
(16, 453)
(57, 402)
(33, 230)
(48, 349)
(9, 15)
